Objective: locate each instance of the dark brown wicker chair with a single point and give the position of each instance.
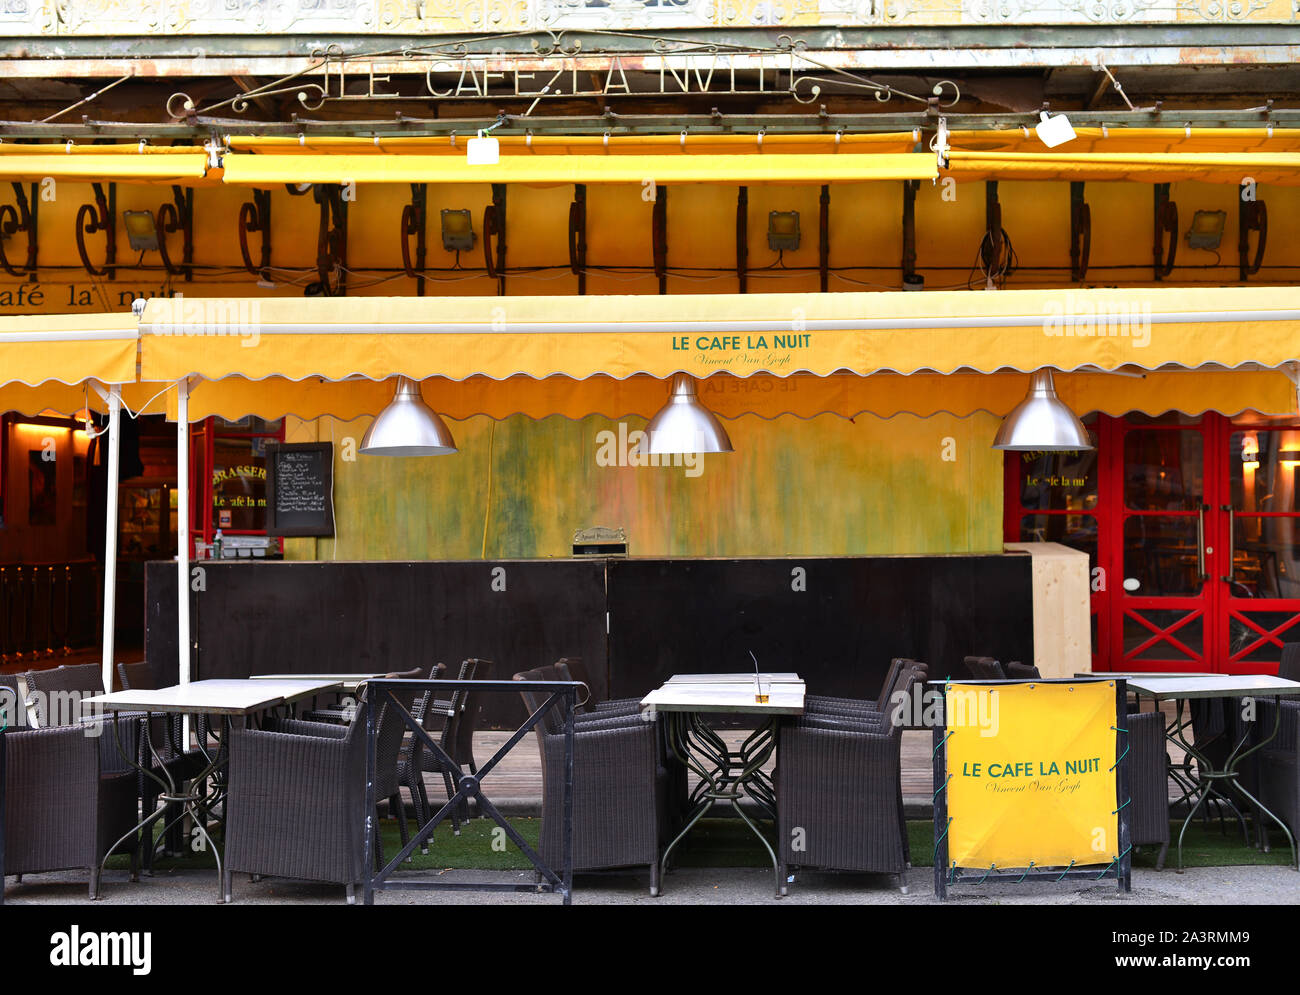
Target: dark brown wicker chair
(1279, 766)
(839, 806)
(1018, 671)
(984, 668)
(621, 803)
(61, 812)
(57, 701)
(1148, 781)
(134, 676)
(296, 799)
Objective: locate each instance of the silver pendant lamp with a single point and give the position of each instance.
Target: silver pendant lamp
(684, 425)
(1042, 422)
(407, 427)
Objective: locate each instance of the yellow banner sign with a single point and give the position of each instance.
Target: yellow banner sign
(1031, 774)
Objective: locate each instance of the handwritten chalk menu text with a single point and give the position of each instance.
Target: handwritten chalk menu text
(299, 487)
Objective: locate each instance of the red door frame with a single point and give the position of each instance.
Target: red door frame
(1215, 605)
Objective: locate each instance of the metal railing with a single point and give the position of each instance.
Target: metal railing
(560, 694)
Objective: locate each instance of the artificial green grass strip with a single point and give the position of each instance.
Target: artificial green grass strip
(481, 845)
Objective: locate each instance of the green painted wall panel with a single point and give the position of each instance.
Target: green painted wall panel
(519, 488)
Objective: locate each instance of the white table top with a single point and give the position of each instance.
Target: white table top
(220, 697)
(1213, 686)
(734, 679)
(349, 682)
(730, 694)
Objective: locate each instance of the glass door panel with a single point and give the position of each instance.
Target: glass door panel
(1163, 606)
(1262, 528)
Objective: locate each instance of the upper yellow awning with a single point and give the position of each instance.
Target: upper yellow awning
(1272, 168)
(777, 167)
(105, 163)
(674, 145)
(743, 334)
(802, 395)
(1143, 140)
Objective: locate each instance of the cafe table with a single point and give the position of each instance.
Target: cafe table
(1211, 780)
(687, 701)
(347, 683)
(234, 702)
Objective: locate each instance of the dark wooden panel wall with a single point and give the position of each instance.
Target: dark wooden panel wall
(835, 620)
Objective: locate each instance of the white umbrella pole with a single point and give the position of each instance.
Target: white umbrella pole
(110, 532)
(183, 528)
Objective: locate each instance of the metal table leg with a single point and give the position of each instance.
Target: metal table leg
(724, 777)
(1209, 779)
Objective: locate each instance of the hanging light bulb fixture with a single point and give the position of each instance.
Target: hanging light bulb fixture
(684, 425)
(407, 427)
(1042, 422)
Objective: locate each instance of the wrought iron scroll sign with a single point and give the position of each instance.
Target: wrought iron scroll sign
(571, 65)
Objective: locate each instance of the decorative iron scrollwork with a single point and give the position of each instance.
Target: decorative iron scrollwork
(255, 216)
(659, 237)
(414, 217)
(1166, 224)
(578, 235)
(15, 218)
(494, 237)
(1253, 218)
(742, 239)
(332, 239)
(1080, 233)
(99, 217)
(178, 216)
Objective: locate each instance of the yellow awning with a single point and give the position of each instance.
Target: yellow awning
(674, 145)
(104, 163)
(67, 348)
(803, 395)
(1143, 140)
(1271, 168)
(777, 167)
(702, 334)
(59, 399)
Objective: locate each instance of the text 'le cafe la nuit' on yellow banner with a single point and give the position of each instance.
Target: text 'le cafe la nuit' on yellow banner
(1031, 774)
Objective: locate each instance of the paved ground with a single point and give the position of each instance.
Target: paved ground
(730, 886)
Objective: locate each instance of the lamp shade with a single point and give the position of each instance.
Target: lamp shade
(407, 427)
(1042, 422)
(684, 425)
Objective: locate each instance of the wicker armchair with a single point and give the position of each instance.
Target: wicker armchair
(296, 799)
(57, 702)
(1148, 782)
(984, 668)
(1018, 671)
(1279, 766)
(61, 812)
(621, 790)
(837, 795)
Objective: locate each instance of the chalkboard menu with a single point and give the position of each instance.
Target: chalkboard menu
(299, 489)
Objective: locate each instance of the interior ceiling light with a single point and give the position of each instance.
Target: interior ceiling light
(684, 425)
(1054, 131)
(407, 427)
(1042, 422)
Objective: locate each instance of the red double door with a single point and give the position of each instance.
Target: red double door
(1192, 526)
